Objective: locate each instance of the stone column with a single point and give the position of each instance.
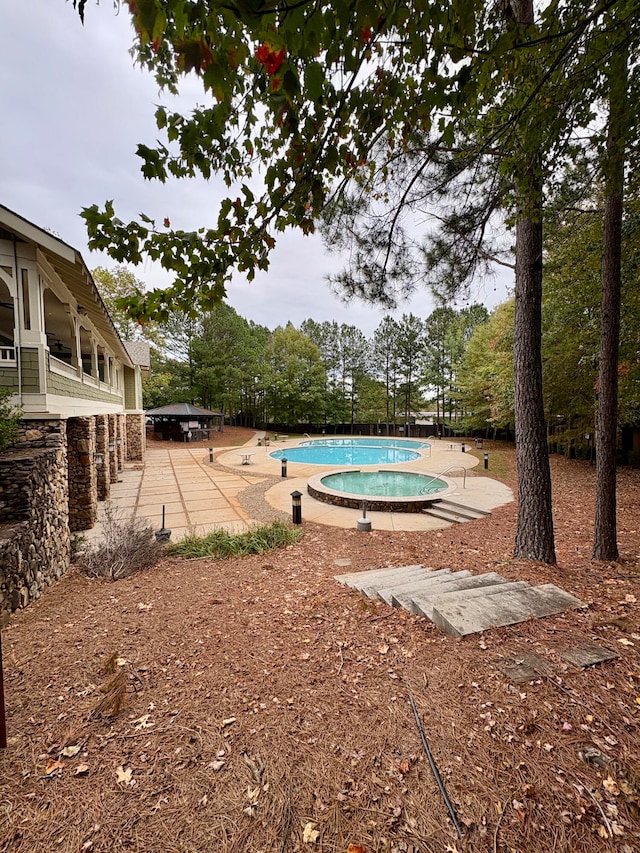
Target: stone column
(113, 454)
(135, 430)
(102, 471)
(122, 441)
(83, 489)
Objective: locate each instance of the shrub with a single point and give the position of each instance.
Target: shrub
(9, 419)
(221, 544)
(128, 546)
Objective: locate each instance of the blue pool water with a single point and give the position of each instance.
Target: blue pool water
(395, 484)
(365, 442)
(352, 451)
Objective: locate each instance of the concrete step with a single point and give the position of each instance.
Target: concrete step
(462, 617)
(372, 590)
(380, 577)
(420, 602)
(460, 596)
(454, 512)
(427, 581)
(467, 511)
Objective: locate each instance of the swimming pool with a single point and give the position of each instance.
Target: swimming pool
(387, 491)
(353, 451)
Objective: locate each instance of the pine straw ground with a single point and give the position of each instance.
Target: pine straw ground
(265, 707)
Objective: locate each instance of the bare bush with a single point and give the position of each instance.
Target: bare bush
(128, 546)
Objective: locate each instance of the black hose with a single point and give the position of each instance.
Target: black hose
(435, 771)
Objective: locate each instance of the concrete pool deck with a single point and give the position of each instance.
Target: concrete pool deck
(199, 496)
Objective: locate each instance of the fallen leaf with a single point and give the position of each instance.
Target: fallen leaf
(124, 775)
(624, 642)
(70, 751)
(82, 770)
(610, 785)
(217, 765)
(310, 834)
(356, 848)
(383, 649)
(229, 721)
(54, 768)
(143, 722)
(630, 599)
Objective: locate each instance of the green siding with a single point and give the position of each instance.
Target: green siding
(30, 371)
(66, 387)
(30, 374)
(9, 377)
(129, 389)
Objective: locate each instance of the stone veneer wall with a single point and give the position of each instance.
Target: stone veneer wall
(121, 441)
(83, 487)
(35, 543)
(112, 457)
(136, 437)
(103, 480)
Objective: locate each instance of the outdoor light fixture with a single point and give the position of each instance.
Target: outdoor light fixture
(364, 524)
(464, 447)
(98, 458)
(111, 447)
(486, 461)
(296, 501)
(163, 535)
(119, 442)
(211, 454)
(284, 466)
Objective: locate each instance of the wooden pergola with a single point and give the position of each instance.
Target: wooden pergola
(184, 422)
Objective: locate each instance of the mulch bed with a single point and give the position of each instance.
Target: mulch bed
(265, 708)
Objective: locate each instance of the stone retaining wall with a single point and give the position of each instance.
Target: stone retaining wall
(35, 544)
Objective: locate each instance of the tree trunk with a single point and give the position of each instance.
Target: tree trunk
(605, 540)
(534, 534)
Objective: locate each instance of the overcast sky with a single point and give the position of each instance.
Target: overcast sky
(73, 110)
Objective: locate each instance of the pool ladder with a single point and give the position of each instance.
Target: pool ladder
(423, 490)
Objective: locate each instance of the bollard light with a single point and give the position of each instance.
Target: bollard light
(163, 535)
(486, 461)
(284, 466)
(464, 447)
(211, 454)
(364, 524)
(296, 501)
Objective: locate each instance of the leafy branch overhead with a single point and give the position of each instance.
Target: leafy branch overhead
(374, 105)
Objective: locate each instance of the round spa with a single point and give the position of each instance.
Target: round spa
(384, 491)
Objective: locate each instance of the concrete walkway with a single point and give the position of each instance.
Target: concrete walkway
(199, 496)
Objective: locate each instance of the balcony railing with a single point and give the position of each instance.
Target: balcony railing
(7, 356)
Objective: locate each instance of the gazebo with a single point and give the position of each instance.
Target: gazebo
(184, 422)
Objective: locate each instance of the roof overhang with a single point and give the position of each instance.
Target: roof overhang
(70, 267)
